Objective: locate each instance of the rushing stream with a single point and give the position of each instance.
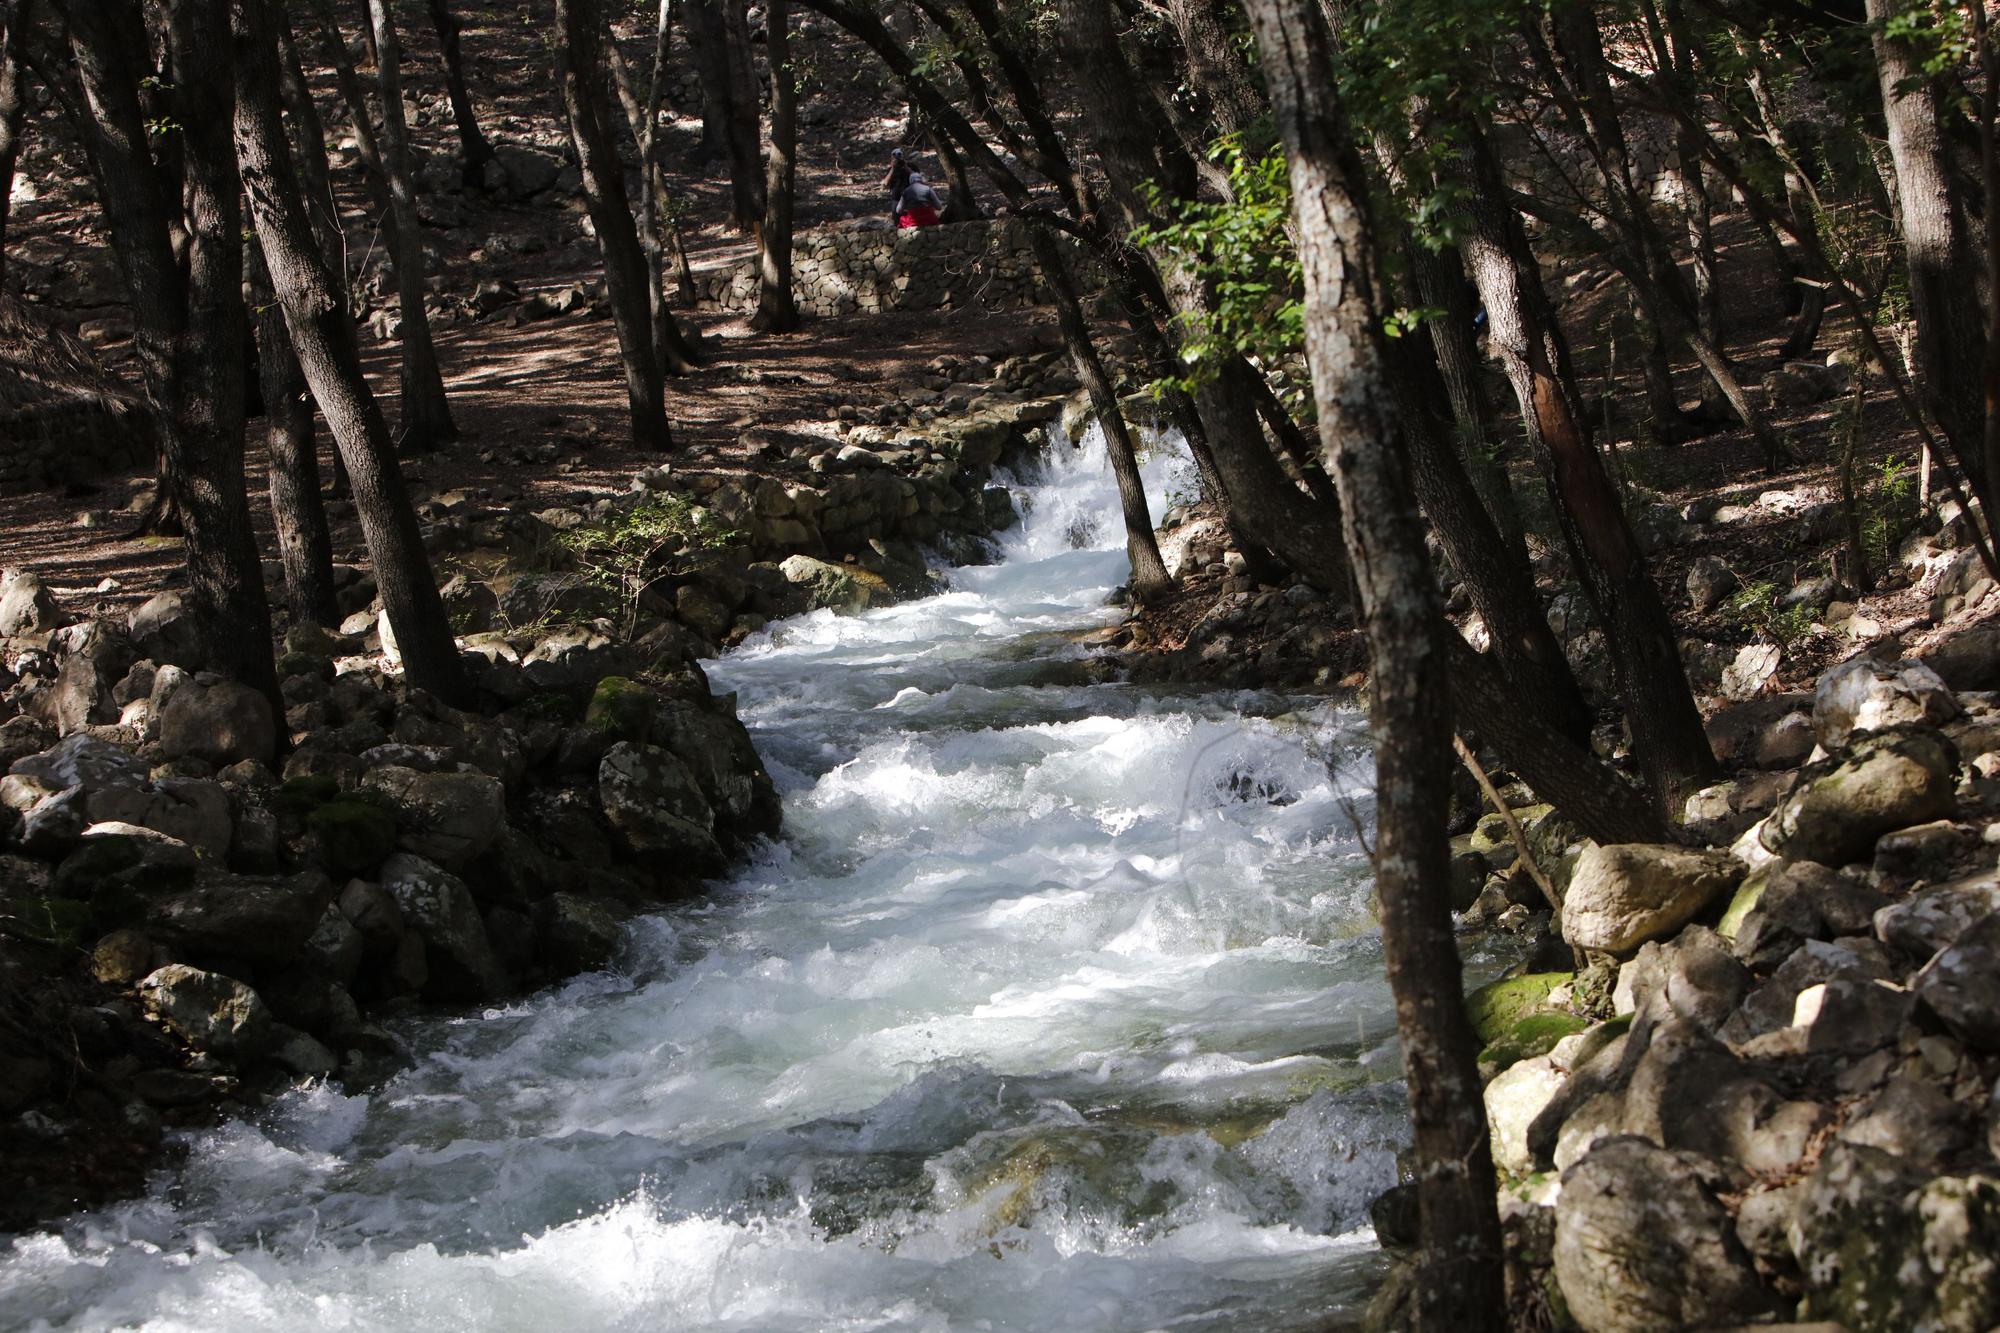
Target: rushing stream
(1058, 1006)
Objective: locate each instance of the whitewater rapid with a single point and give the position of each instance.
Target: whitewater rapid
(1057, 1006)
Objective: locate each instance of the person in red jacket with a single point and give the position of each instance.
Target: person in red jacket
(920, 205)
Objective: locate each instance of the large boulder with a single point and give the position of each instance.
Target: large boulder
(1959, 985)
(1969, 660)
(26, 606)
(1885, 1245)
(1864, 695)
(83, 761)
(1924, 923)
(1708, 582)
(165, 631)
(1623, 894)
(1643, 1243)
(655, 804)
(843, 588)
(437, 906)
(210, 1012)
(576, 933)
(1886, 781)
(221, 721)
(263, 920)
(449, 818)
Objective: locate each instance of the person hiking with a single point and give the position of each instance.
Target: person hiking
(896, 181)
(920, 205)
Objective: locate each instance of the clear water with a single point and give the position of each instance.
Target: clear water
(1057, 1006)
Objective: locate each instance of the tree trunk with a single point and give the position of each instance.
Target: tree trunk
(1667, 736)
(188, 320)
(426, 416)
(329, 356)
(1460, 1254)
(963, 204)
(1215, 64)
(14, 20)
(776, 311)
(676, 355)
(1943, 262)
(1150, 580)
(1277, 514)
(729, 102)
(586, 103)
(473, 150)
(305, 547)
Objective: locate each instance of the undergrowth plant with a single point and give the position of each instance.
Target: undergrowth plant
(622, 553)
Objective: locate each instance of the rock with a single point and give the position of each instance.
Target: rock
(1736, 731)
(1786, 743)
(1643, 1243)
(1752, 668)
(1969, 660)
(1394, 1215)
(449, 818)
(573, 660)
(1958, 985)
(1782, 905)
(122, 957)
(1796, 384)
(164, 631)
(1692, 976)
(1921, 925)
(1500, 1005)
(26, 606)
(53, 825)
(352, 835)
(576, 934)
(264, 920)
(843, 588)
(655, 804)
(1863, 695)
(114, 857)
(1513, 1099)
(83, 761)
(222, 722)
(1855, 1007)
(1911, 1118)
(437, 906)
(1708, 582)
(1884, 1247)
(1887, 780)
(1622, 895)
(336, 947)
(209, 1011)
(522, 171)
(702, 612)
(303, 1055)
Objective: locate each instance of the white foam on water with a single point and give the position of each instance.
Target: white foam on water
(1057, 1006)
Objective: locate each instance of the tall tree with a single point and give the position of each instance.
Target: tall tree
(586, 102)
(718, 35)
(188, 319)
(426, 415)
(1460, 1286)
(474, 152)
(323, 337)
(776, 310)
(15, 15)
(305, 546)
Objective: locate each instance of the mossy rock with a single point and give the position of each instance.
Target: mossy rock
(304, 664)
(550, 705)
(352, 834)
(63, 922)
(622, 707)
(1497, 1006)
(1534, 1035)
(301, 795)
(1748, 894)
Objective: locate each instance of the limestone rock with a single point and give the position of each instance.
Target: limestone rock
(1886, 781)
(26, 606)
(1863, 695)
(1643, 1243)
(164, 631)
(1708, 582)
(1959, 985)
(437, 906)
(449, 818)
(221, 721)
(656, 806)
(260, 919)
(844, 588)
(209, 1011)
(577, 934)
(1622, 895)
(1514, 1098)
(83, 761)
(1919, 926)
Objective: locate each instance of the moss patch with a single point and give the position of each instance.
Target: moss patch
(1497, 1006)
(352, 835)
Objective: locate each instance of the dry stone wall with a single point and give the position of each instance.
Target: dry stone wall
(844, 270)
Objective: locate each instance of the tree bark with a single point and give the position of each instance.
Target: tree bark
(729, 102)
(586, 104)
(643, 121)
(1667, 735)
(323, 337)
(188, 320)
(426, 416)
(1215, 65)
(1937, 245)
(14, 21)
(305, 546)
(473, 150)
(1460, 1255)
(1150, 580)
(776, 310)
